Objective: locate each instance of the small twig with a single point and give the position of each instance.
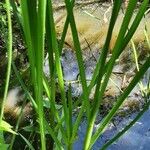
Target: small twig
(105, 14)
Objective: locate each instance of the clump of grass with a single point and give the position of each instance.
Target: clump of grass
(36, 20)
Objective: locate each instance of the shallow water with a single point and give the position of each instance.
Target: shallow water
(137, 138)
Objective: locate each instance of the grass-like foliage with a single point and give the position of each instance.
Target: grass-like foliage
(37, 23)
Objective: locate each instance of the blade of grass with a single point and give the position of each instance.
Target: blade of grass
(137, 65)
(146, 35)
(101, 66)
(65, 30)
(27, 142)
(9, 57)
(28, 39)
(70, 117)
(33, 22)
(58, 64)
(17, 14)
(53, 111)
(78, 55)
(23, 85)
(135, 55)
(41, 16)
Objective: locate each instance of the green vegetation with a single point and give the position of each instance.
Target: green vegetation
(36, 21)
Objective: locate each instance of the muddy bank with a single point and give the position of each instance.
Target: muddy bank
(92, 23)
